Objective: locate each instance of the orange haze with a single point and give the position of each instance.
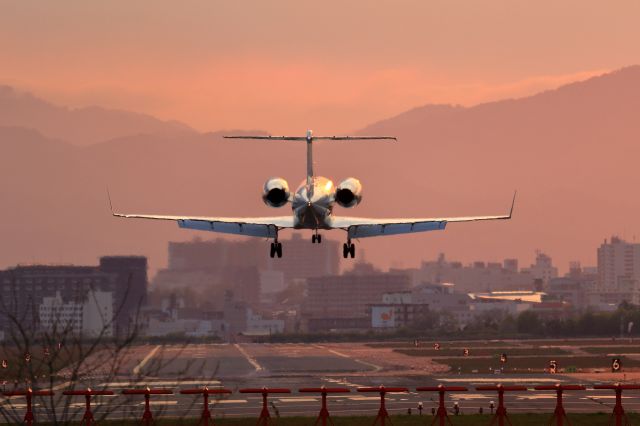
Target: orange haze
(282, 66)
(286, 65)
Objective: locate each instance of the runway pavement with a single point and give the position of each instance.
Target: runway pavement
(296, 366)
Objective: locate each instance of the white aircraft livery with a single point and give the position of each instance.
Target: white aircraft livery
(312, 207)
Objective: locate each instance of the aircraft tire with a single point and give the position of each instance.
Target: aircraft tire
(352, 250)
(345, 250)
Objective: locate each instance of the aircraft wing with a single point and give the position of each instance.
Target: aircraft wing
(251, 226)
(364, 227)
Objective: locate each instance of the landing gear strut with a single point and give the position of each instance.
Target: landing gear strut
(316, 238)
(276, 249)
(348, 249)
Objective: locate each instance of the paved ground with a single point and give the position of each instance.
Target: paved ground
(294, 366)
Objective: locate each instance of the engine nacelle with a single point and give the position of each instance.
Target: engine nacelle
(276, 192)
(349, 193)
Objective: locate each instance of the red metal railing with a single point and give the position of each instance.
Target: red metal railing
(441, 415)
(87, 419)
(205, 418)
(618, 411)
(559, 415)
(147, 416)
(324, 416)
(29, 394)
(383, 414)
(501, 411)
(265, 417)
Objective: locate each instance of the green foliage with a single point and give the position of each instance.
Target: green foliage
(435, 326)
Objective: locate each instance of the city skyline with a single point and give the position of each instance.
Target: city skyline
(566, 142)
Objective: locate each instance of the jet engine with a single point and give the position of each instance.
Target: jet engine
(349, 192)
(276, 192)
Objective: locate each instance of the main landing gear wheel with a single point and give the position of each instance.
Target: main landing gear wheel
(348, 249)
(276, 249)
(316, 238)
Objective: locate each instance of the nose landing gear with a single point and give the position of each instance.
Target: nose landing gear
(316, 238)
(276, 249)
(348, 249)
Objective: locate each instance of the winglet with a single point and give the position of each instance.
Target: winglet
(513, 203)
(110, 203)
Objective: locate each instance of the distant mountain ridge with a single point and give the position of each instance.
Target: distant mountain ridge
(612, 83)
(79, 126)
(571, 152)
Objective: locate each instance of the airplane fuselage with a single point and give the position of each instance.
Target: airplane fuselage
(312, 204)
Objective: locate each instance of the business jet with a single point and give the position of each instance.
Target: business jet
(312, 207)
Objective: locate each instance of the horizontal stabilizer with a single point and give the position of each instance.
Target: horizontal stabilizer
(312, 138)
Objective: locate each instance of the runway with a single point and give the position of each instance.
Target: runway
(295, 366)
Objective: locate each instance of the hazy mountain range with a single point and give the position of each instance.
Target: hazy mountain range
(80, 126)
(572, 153)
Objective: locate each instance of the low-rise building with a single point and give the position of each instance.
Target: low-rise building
(397, 315)
(91, 317)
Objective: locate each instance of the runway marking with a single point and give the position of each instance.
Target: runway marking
(537, 396)
(468, 396)
(171, 383)
(344, 382)
(137, 368)
(605, 397)
(363, 398)
(249, 358)
(172, 402)
(231, 401)
(499, 380)
(297, 399)
(340, 354)
(25, 405)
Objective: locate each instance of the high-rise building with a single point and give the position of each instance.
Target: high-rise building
(130, 292)
(618, 265)
(24, 288)
(478, 276)
(543, 268)
(210, 268)
(217, 254)
(349, 296)
(302, 259)
(510, 265)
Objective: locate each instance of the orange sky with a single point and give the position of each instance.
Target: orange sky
(287, 65)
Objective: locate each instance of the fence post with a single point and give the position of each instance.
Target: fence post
(87, 419)
(29, 394)
(618, 411)
(265, 417)
(206, 418)
(559, 414)
(383, 414)
(324, 416)
(501, 411)
(441, 414)
(147, 416)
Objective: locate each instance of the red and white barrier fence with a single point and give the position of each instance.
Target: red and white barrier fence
(618, 416)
